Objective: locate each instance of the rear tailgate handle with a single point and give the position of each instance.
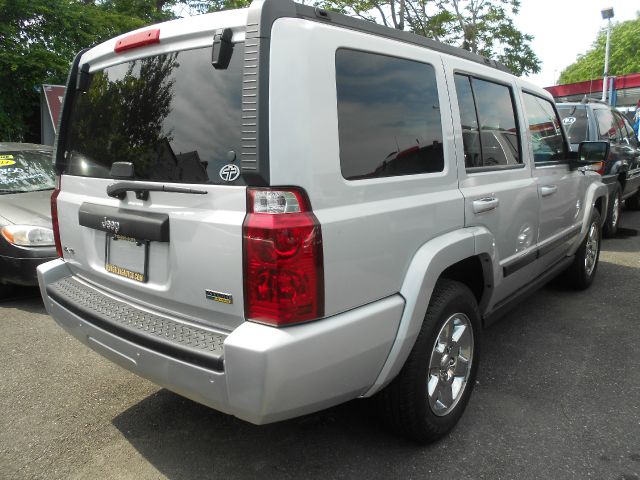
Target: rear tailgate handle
(548, 190)
(485, 204)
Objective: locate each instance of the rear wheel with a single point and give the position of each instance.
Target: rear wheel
(430, 393)
(613, 213)
(583, 269)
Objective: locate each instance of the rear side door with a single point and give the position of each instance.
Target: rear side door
(171, 238)
(560, 188)
(495, 178)
(628, 144)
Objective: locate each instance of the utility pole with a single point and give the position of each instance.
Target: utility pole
(607, 14)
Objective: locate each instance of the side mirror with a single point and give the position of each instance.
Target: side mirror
(593, 152)
(590, 154)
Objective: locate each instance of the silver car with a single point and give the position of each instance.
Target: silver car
(278, 209)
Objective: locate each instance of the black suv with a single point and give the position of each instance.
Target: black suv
(621, 171)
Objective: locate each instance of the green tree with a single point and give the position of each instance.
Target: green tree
(38, 40)
(623, 58)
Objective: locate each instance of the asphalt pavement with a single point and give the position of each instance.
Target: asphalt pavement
(558, 397)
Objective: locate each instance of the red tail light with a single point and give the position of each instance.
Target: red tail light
(54, 217)
(283, 263)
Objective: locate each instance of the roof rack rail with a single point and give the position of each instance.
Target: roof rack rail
(277, 8)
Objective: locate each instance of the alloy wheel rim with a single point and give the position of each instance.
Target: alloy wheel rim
(591, 252)
(450, 364)
(615, 214)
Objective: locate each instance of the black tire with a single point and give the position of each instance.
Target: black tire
(405, 402)
(579, 275)
(614, 211)
(633, 202)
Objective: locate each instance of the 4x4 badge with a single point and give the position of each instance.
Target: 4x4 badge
(219, 296)
(229, 172)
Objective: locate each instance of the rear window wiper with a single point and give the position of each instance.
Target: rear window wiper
(120, 189)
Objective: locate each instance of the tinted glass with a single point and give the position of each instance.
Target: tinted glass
(575, 122)
(607, 128)
(544, 126)
(26, 171)
(631, 135)
(497, 119)
(388, 116)
(489, 129)
(173, 116)
(627, 135)
(469, 119)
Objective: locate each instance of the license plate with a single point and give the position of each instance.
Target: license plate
(127, 257)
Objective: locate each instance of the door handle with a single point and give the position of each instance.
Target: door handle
(485, 204)
(548, 190)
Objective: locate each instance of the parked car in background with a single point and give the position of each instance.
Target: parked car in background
(621, 170)
(271, 237)
(27, 179)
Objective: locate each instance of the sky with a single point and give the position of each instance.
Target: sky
(563, 29)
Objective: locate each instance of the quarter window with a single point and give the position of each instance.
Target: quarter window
(544, 126)
(388, 116)
(489, 128)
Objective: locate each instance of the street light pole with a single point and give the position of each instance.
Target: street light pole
(607, 14)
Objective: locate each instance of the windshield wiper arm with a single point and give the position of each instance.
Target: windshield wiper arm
(120, 189)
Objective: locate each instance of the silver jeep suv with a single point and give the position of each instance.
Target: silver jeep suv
(278, 209)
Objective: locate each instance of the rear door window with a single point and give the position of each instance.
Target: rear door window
(489, 127)
(174, 116)
(388, 116)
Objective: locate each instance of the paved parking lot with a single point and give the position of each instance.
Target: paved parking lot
(558, 396)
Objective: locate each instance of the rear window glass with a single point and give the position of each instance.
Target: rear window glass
(26, 171)
(174, 116)
(575, 122)
(388, 116)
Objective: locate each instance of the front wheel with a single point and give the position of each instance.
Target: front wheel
(430, 393)
(583, 269)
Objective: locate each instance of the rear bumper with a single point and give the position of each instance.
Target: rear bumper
(267, 374)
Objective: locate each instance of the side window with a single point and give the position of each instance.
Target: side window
(633, 139)
(544, 126)
(388, 116)
(626, 130)
(622, 133)
(607, 129)
(489, 127)
(469, 119)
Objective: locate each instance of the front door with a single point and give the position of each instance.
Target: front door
(560, 188)
(495, 178)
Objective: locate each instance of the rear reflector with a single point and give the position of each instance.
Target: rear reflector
(54, 217)
(283, 261)
(136, 40)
